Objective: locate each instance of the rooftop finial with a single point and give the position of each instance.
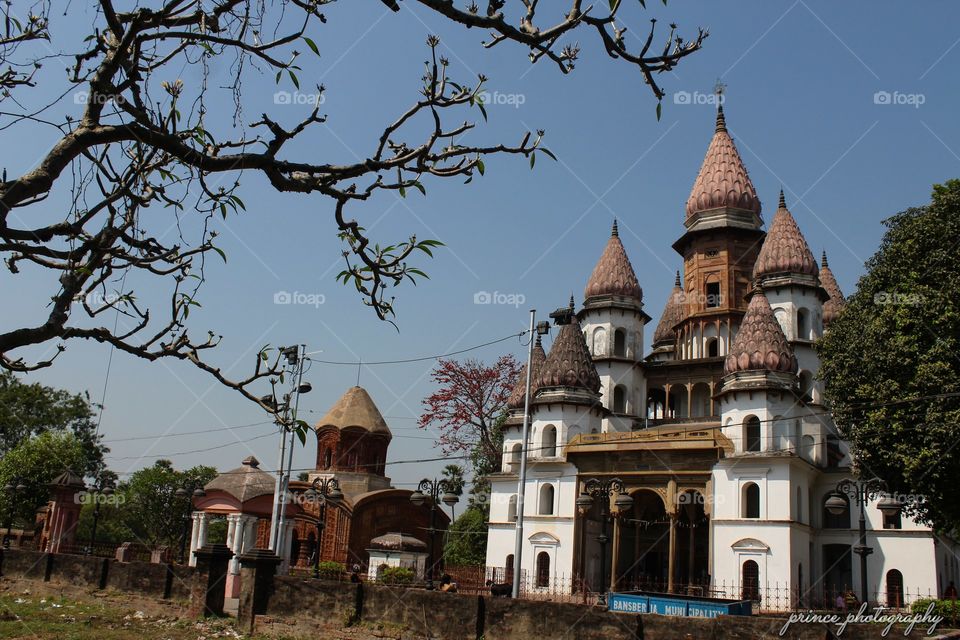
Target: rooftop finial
(538, 341)
(572, 303)
(783, 202)
(615, 232)
(676, 281)
(721, 121)
(823, 259)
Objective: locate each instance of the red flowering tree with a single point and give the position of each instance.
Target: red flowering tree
(465, 408)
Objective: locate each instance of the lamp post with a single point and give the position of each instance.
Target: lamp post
(323, 490)
(595, 489)
(862, 491)
(430, 491)
(12, 488)
(190, 491)
(102, 486)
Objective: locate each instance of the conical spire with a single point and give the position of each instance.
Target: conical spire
(355, 408)
(723, 180)
(613, 275)
(836, 302)
(784, 250)
(518, 395)
(569, 363)
(760, 343)
(672, 315)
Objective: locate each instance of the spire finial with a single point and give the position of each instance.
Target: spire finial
(783, 202)
(676, 281)
(823, 259)
(538, 344)
(615, 232)
(721, 121)
(572, 304)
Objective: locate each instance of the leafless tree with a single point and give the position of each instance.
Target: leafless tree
(143, 152)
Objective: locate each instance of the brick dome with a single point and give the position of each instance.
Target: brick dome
(723, 180)
(613, 275)
(569, 364)
(833, 306)
(760, 343)
(518, 395)
(784, 250)
(672, 314)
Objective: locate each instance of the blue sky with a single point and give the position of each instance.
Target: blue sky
(802, 80)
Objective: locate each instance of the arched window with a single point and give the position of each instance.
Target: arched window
(807, 448)
(620, 399)
(508, 569)
(546, 500)
(894, 589)
(806, 384)
(543, 569)
(803, 324)
(712, 292)
(620, 343)
(515, 452)
(750, 507)
(751, 433)
(599, 342)
(751, 581)
(512, 508)
(713, 348)
(548, 444)
(840, 520)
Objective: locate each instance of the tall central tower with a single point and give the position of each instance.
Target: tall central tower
(723, 234)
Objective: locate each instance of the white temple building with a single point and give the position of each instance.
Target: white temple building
(719, 434)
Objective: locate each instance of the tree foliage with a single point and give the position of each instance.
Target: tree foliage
(141, 166)
(890, 361)
(467, 406)
(31, 409)
(151, 510)
(35, 462)
(467, 539)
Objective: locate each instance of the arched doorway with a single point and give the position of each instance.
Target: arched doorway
(750, 581)
(894, 589)
(643, 558)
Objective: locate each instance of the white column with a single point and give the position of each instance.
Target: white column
(287, 539)
(235, 540)
(200, 525)
(194, 537)
(231, 527)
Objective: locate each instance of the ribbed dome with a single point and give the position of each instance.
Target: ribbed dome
(723, 180)
(355, 409)
(784, 250)
(613, 274)
(672, 314)
(833, 306)
(760, 343)
(569, 364)
(518, 395)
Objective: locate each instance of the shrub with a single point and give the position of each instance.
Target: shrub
(330, 569)
(397, 575)
(949, 609)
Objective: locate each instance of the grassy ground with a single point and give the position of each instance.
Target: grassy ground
(56, 618)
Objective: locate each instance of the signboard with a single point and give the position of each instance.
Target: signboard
(676, 605)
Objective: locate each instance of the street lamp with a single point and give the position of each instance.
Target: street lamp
(594, 489)
(12, 488)
(430, 491)
(191, 490)
(102, 486)
(323, 490)
(862, 491)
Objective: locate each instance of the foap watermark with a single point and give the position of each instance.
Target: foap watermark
(112, 499)
(899, 98)
(299, 297)
(897, 298)
(881, 615)
(698, 98)
(496, 297)
(299, 98)
(84, 97)
(515, 100)
(97, 298)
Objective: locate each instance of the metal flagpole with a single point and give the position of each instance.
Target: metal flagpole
(521, 485)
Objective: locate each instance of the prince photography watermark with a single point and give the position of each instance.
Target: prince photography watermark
(880, 615)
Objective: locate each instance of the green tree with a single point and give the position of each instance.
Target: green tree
(467, 539)
(31, 409)
(151, 510)
(35, 462)
(890, 364)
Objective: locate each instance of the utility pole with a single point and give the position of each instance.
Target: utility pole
(521, 484)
